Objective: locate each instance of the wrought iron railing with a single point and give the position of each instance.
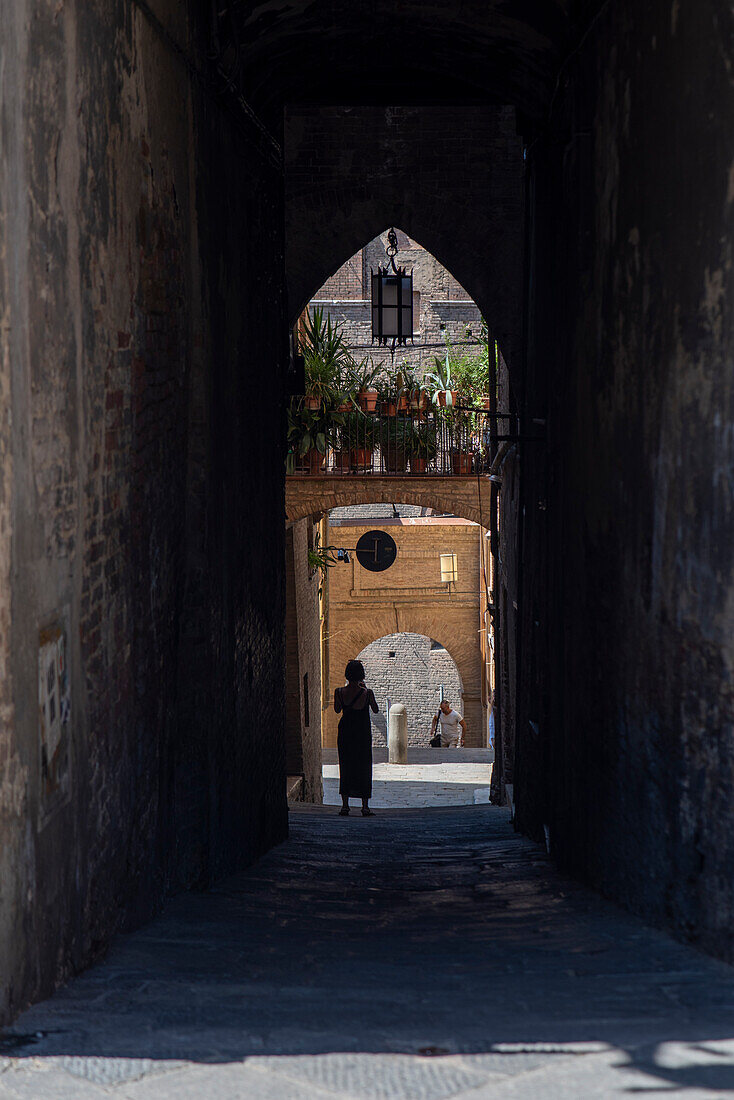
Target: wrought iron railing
(445, 442)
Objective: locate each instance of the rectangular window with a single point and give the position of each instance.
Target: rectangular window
(449, 569)
(306, 715)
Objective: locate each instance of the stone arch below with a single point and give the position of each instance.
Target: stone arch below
(462, 645)
(466, 497)
(414, 675)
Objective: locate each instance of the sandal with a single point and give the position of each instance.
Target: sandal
(367, 813)
(344, 812)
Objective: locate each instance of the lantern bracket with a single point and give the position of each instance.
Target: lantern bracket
(392, 249)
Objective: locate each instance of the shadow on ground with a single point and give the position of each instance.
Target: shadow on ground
(417, 955)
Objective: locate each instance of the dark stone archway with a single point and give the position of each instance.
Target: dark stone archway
(451, 178)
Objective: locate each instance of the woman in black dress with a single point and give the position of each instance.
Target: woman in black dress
(354, 742)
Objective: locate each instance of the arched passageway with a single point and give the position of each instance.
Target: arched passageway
(460, 645)
(394, 174)
(414, 670)
(411, 599)
(468, 497)
(175, 181)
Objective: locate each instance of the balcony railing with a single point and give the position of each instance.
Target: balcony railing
(444, 442)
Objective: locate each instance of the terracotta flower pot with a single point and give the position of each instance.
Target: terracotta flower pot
(360, 458)
(395, 459)
(315, 459)
(441, 395)
(419, 400)
(341, 461)
(310, 463)
(418, 464)
(368, 400)
(345, 407)
(403, 403)
(312, 402)
(487, 403)
(389, 408)
(461, 464)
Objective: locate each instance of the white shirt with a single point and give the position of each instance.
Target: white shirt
(449, 725)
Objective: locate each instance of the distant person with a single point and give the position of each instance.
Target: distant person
(452, 725)
(354, 743)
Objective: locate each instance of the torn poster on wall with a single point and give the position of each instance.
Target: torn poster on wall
(54, 719)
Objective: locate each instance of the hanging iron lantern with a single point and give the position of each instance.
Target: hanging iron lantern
(392, 300)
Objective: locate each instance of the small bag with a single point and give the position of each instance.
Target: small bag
(435, 742)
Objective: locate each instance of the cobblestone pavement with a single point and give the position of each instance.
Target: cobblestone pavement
(416, 955)
(432, 777)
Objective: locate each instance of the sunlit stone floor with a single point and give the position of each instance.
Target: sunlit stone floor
(416, 955)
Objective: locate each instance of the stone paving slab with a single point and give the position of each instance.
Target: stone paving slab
(431, 778)
(411, 956)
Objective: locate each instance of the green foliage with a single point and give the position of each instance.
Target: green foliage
(321, 558)
(425, 439)
(356, 429)
(327, 358)
(464, 370)
(308, 429)
(362, 375)
(396, 433)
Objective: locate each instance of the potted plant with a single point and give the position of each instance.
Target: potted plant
(363, 375)
(359, 434)
(461, 463)
(386, 390)
(405, 383)
(326, 358)
(424, 444)
(306, 439)
(441, 382)
(395, 443)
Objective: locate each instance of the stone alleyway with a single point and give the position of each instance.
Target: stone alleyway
(414, 956)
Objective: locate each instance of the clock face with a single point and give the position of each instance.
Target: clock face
(376, 551)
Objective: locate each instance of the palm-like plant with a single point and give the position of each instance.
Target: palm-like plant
(440, 381)
(327, 359)
(425, 440)
(363, 374)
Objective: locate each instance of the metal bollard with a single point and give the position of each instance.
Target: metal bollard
(397, 737)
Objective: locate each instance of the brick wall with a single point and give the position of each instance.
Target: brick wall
(442, 307)
(410, 598)
(406, 669)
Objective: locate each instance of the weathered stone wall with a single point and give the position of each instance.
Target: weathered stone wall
(303, 662)
(134, 212)
(634, 220)
(410, 669)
